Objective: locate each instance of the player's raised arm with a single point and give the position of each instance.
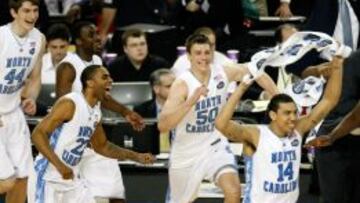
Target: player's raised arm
(231, 129)
(329, 100)
(236, 72)
(178, 105)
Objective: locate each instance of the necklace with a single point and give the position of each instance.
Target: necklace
(90, 109)
(20, 41)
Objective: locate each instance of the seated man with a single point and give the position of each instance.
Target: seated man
(58, 39)
(160, 81)
(137, 64)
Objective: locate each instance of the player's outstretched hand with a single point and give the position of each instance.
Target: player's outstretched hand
(321, 141)
(65, 172)
(136, 121)
(200, 91)
(145, 158)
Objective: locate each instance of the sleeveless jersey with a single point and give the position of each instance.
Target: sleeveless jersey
(196, 132)
(70, 139)
(272, 172)
(79, 65)
(17, 59)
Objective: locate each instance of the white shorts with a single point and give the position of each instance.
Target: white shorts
(102, 175)
(15, 146)
(70, 192)
(185, 182)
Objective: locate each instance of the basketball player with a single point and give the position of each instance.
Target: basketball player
(62, 136)
(199, 151)
(273, 152)
(102, 174)
(21, 49)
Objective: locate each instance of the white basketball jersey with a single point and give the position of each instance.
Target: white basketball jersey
(79, 65)
(17, 59)
(272, 172)
(195, 133)
(70, 139)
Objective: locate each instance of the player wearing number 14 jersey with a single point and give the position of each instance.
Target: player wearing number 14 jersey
(272, 152)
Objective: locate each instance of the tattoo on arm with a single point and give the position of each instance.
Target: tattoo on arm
(116, 152)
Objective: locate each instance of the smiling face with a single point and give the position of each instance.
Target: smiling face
(200, 56)
(25, 17)
(285, 117)
(101, 83)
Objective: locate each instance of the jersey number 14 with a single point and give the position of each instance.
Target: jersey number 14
(284, 172)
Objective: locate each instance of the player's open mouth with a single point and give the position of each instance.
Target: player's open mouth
(291, 125)
(29, 22)
(108, 89)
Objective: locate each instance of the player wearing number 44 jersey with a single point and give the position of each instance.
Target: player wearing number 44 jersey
(62, 136)
(198, 150)
(273, 152)
(21, 49)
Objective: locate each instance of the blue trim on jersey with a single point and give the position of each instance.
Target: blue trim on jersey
(41, 166)
(168, 194)
(172, 135)
(248, 177)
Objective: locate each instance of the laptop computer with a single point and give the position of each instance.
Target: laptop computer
(129, 94)
(47, 96)
(122, 134)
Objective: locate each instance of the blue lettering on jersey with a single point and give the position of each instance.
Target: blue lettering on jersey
(73, 156)
(10, 89)
(15, 76)
(285, 156)
(280, 188)
(285, 181)
(18, 62)
(206, 111)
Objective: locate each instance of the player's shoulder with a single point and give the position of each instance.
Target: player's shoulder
(65, 104)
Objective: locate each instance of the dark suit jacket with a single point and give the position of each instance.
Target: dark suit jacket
(324, 15)
(122, 70)
(147, 109)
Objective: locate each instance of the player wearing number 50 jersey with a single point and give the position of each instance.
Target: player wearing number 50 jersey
(198, 150)
(62, 136)
(273, 152)
(21, 49)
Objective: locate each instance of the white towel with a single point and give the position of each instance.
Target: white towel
(294, 49)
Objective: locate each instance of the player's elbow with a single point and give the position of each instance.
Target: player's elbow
(100, 149)
(165, 123)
